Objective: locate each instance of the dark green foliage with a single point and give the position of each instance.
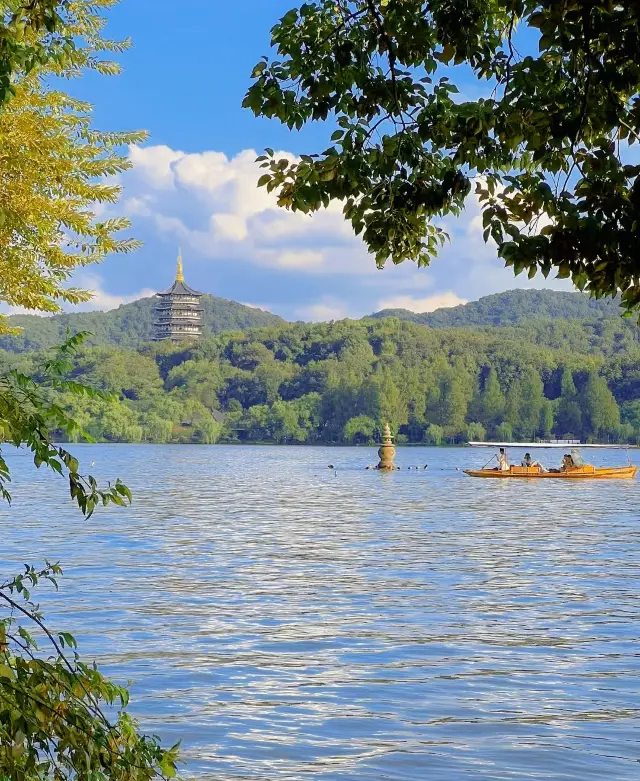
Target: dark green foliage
(601, 414)
(52, 704)
(545, 142)
(514, 307)
(30, 411)
(339, 382)
(29, 36)
(130, 325)
(52, 722)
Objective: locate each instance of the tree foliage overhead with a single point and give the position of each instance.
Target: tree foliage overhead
(29, 36)
(545, 146)
(53, 170)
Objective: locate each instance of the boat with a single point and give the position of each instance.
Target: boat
(586, 472)
(569, 471)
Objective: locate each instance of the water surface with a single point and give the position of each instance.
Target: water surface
(290, 621)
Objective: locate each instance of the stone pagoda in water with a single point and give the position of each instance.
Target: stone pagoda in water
(178, 312)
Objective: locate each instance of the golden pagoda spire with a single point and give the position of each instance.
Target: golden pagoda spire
(179, 273)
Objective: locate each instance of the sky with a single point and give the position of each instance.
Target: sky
(193, 183)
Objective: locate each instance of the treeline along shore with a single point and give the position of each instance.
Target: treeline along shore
(336, 382)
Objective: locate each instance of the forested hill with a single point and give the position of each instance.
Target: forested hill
(129, 325)
(512, 308)
(339, 382)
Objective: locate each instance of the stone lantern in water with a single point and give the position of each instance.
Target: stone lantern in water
(386, 451)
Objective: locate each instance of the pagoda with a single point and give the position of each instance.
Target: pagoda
(178, 312)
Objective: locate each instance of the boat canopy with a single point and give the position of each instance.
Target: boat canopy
(546, 445)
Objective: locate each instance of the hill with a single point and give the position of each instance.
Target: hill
(130, 325)
(512, 308)
(127, 326)
(337, 382)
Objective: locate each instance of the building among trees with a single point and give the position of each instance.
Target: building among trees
(178, 312)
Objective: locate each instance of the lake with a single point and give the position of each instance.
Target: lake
(291, 621)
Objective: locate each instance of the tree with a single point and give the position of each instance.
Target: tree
(155, 428)
(53, 168)
(491, 402)
(504, 432)
(427, 376)
(29, 35)
(476, 432)
(545, 142)
(52, 720)
(514, 404)
(434, 434)
(454, 394)
(532, 403)
(630, 413)
(601, 413)
(568, 414)
(547, 420)
(119, 423)
(360, 429)
(284, 423)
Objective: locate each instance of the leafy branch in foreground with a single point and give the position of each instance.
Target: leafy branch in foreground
(52, 722)
(28, 415)
(546, 142)
(30, 35)
(57, 172)
(52, 719)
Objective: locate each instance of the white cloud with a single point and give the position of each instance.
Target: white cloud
(327, 308)
(428, 304)
(211, 204)
(304, 259)
(102, 300)
(156, 168)
(263, 307)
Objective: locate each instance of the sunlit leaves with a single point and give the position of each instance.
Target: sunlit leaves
(31, 34)
(53, 165)
(52, 719)
(28, 416)
(547, 147)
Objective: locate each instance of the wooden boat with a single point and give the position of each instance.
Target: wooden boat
(586, 472)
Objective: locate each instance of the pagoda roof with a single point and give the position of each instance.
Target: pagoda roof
(180, 288)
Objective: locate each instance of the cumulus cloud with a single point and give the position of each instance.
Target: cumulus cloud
(327, 308)
(310, 266)
(419, 305)
(102, 300)
(210, 204)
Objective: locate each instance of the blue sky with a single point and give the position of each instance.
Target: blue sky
(192, 184)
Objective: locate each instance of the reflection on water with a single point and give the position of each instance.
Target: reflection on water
(287, 621)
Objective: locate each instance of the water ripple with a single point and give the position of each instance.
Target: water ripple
(288, 621)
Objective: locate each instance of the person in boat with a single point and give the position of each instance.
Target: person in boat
(528, 461)
(503, 461)
(567, 463)
(576, 457)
